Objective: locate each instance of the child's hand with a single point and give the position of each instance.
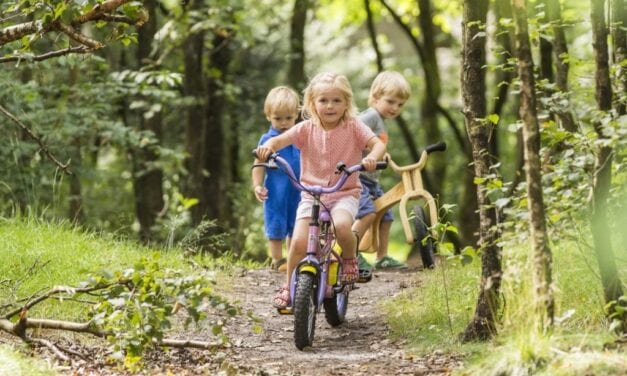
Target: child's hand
(263, 152)
(370, 164)
(261, 193)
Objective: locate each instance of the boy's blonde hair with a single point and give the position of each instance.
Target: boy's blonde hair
(281, 99)
(389, 83)
(323, 81)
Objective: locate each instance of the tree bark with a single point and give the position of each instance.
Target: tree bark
(560, 47)
(147, 176)
(482, 325)
(372, 32)
(612, 286)
(430, 102)
(619, 37)
(195, 128)
(296, 71)
(542, 257)
(76, 212)
(216, 180)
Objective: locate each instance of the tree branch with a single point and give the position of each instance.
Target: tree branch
(54, 291)
(32, 135)
(47, 55)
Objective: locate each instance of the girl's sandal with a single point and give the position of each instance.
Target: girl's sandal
(282, 299)
(350, 270)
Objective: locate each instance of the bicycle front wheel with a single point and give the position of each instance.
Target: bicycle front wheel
(304, 309)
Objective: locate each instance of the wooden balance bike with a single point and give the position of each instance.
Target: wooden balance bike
(416, 227)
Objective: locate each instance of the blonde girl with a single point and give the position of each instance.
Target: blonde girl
(330, 133)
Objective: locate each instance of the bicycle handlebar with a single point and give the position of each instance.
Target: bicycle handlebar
(317, 189)
(440, 146)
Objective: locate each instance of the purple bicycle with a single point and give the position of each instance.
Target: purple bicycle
(315, 282)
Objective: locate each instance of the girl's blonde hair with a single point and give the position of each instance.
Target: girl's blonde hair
(324, 81)
(389, 83)
(281, 99)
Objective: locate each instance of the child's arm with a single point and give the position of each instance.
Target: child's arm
(258, 173)
(377, 150)
(272, 145)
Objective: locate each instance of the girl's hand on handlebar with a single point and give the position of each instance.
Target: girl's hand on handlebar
(370, 164)
(263, 152)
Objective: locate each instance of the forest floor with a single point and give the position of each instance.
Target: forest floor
(358, 347)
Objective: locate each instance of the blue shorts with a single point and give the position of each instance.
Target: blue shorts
(370, 191)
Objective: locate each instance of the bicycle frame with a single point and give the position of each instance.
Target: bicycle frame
(320, 251)
(410, 188)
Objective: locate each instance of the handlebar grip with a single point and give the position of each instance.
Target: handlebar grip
(254, 153)
(440, 146)
(382, 165)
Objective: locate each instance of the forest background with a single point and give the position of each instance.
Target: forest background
(141, 123)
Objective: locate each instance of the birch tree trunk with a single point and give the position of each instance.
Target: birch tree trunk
(542, 257)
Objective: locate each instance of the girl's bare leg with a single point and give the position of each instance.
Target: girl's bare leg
(298, 246)
(343, 232)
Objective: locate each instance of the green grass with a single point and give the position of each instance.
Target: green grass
(38, 255)
(14, 364)
(430, 317)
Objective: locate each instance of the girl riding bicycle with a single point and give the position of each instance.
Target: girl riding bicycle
(330, 134)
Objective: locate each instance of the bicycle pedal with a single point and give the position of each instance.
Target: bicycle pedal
(285, 311)
(364, 279)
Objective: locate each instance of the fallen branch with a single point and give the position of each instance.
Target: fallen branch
(18, 328)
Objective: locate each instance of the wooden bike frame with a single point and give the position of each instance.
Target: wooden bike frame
(409, 188)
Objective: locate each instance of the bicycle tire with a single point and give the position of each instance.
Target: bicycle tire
(304, 309)
(335, 308)
(421, 230)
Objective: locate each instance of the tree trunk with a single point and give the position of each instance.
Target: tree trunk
(612, 286)
(147, 176)
(296, 72)
(195, 128)
(373, 35)
(482, 325)
(216, 180)
(554, 16)
(542, 258)
(619, 37)
(429, 109)
(76, 211)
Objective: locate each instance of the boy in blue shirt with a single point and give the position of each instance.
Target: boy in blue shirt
(281, 109)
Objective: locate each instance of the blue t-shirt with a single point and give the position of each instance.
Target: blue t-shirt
(283, 198)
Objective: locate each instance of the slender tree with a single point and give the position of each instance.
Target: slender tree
(482, 325)
(612, 286)
(296, 71)
(542, 257)
(147, 175)
(560, 47)
(195, 128)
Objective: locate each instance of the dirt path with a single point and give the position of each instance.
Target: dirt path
(358, 347)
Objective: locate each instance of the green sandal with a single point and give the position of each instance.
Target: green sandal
(279, 265)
